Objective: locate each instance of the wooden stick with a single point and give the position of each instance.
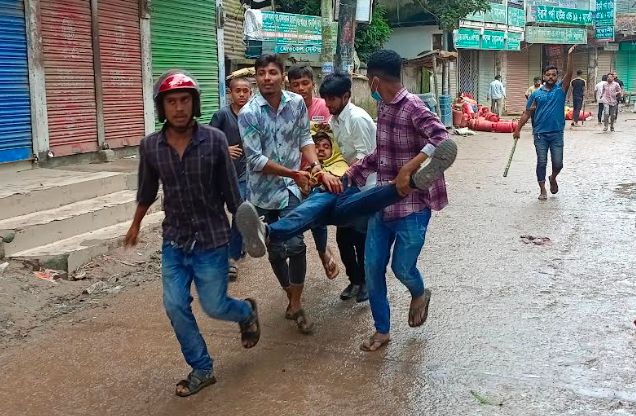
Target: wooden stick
(512, 152)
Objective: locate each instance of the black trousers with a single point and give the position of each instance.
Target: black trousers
(600, 112)
(578, 106)
(351, 247)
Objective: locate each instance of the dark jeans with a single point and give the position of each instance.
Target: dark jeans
(600, 111)
(320, 238)
(208, 270)
(288, 255)
(548, 141)
(351, 246)
(325, 208)
(578, 106)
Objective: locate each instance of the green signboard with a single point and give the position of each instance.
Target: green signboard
(493, 40)
(496, 14)
(562, 15)
(466, 38)
(292, 33)
(516, 17)
(556, 35)
(513, 43)
(604, 20)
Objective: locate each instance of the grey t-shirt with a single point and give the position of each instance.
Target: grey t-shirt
(226, 121)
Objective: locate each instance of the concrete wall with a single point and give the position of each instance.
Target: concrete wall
(410, 41)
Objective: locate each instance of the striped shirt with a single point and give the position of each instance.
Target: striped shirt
(405, 128)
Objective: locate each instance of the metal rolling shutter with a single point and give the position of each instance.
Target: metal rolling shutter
(535, 66)
(486, 74)
(626, 65)
(15, 102)
(184, 36)
(516, 81)
(469, 72)
(69, 76)
(120, 54)
(604, 64)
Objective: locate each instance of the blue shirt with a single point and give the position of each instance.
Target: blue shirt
(276, 135)
(549, 114)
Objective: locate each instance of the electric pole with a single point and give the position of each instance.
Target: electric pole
(326, 11)
(346, 36)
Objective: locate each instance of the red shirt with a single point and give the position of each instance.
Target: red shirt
(318, 111)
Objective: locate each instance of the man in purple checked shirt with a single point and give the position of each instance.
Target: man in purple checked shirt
(407, 132)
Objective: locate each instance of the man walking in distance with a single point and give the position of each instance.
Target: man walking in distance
(578, 95)
(354, 131)
(275, 130)
(496, 95)
(408, 133)
(545, 107)
(598, 91)
(193, 164)
(301, 82)
(610, 96)
(532, 88)
(226, 120)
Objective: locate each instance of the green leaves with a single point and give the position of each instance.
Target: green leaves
(371, 37)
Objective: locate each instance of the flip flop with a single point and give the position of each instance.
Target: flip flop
(419, 314)
(249, 337)
(195, 382)
(374, 343)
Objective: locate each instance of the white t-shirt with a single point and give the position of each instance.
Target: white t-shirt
(355, 133)
(598, 89)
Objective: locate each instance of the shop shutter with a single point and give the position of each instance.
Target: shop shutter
(120, 56)
(184, 36)
(469, 72)
(15, 104)
(69, 76)
(516, 81)
(486, 74)
(233, 29)
(580, 61)
(604, 63)
(452, 73)
(626, 65)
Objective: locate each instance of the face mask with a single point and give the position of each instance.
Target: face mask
(375, 94)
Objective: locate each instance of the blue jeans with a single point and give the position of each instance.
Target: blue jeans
(325, 208)
(407, 236)
(554, 142)
(292, 248)
(208, 269)
(236, 241)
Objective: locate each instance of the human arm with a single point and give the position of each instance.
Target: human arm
(569, 71)
(225, 174)
(527, 115)
(431, 132)
(148, 186)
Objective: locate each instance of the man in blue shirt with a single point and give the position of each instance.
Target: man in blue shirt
(546, 108)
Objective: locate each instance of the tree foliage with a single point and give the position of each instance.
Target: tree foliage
(450, 12)
(369, 37)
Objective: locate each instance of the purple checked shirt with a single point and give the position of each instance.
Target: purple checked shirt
(405, 128)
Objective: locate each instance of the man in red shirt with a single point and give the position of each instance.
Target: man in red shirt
(301, 82)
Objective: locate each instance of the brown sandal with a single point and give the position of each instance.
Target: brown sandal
(195, 382)
(249, 336)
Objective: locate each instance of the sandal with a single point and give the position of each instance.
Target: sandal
(304, 325)
(232, 271)
(194, 383)
(249, 336)
(374, 343)
(418, 314)
(331, 267)
(554, 186)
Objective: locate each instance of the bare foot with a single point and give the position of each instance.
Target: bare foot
(375, 342)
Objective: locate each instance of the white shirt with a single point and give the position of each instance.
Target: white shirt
(355, 133)
(598, 89)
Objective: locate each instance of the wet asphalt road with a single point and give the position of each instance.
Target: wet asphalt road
(513, 329)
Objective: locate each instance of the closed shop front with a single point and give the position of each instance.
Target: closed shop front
(605, 63)
(626, 65)
(469, 72)
(487, 72)
(517, 75)
(121, 76)
(535, 64)
(184, 36)
(69, 76)
(15, 104)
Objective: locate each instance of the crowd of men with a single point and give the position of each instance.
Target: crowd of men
(283, 162)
